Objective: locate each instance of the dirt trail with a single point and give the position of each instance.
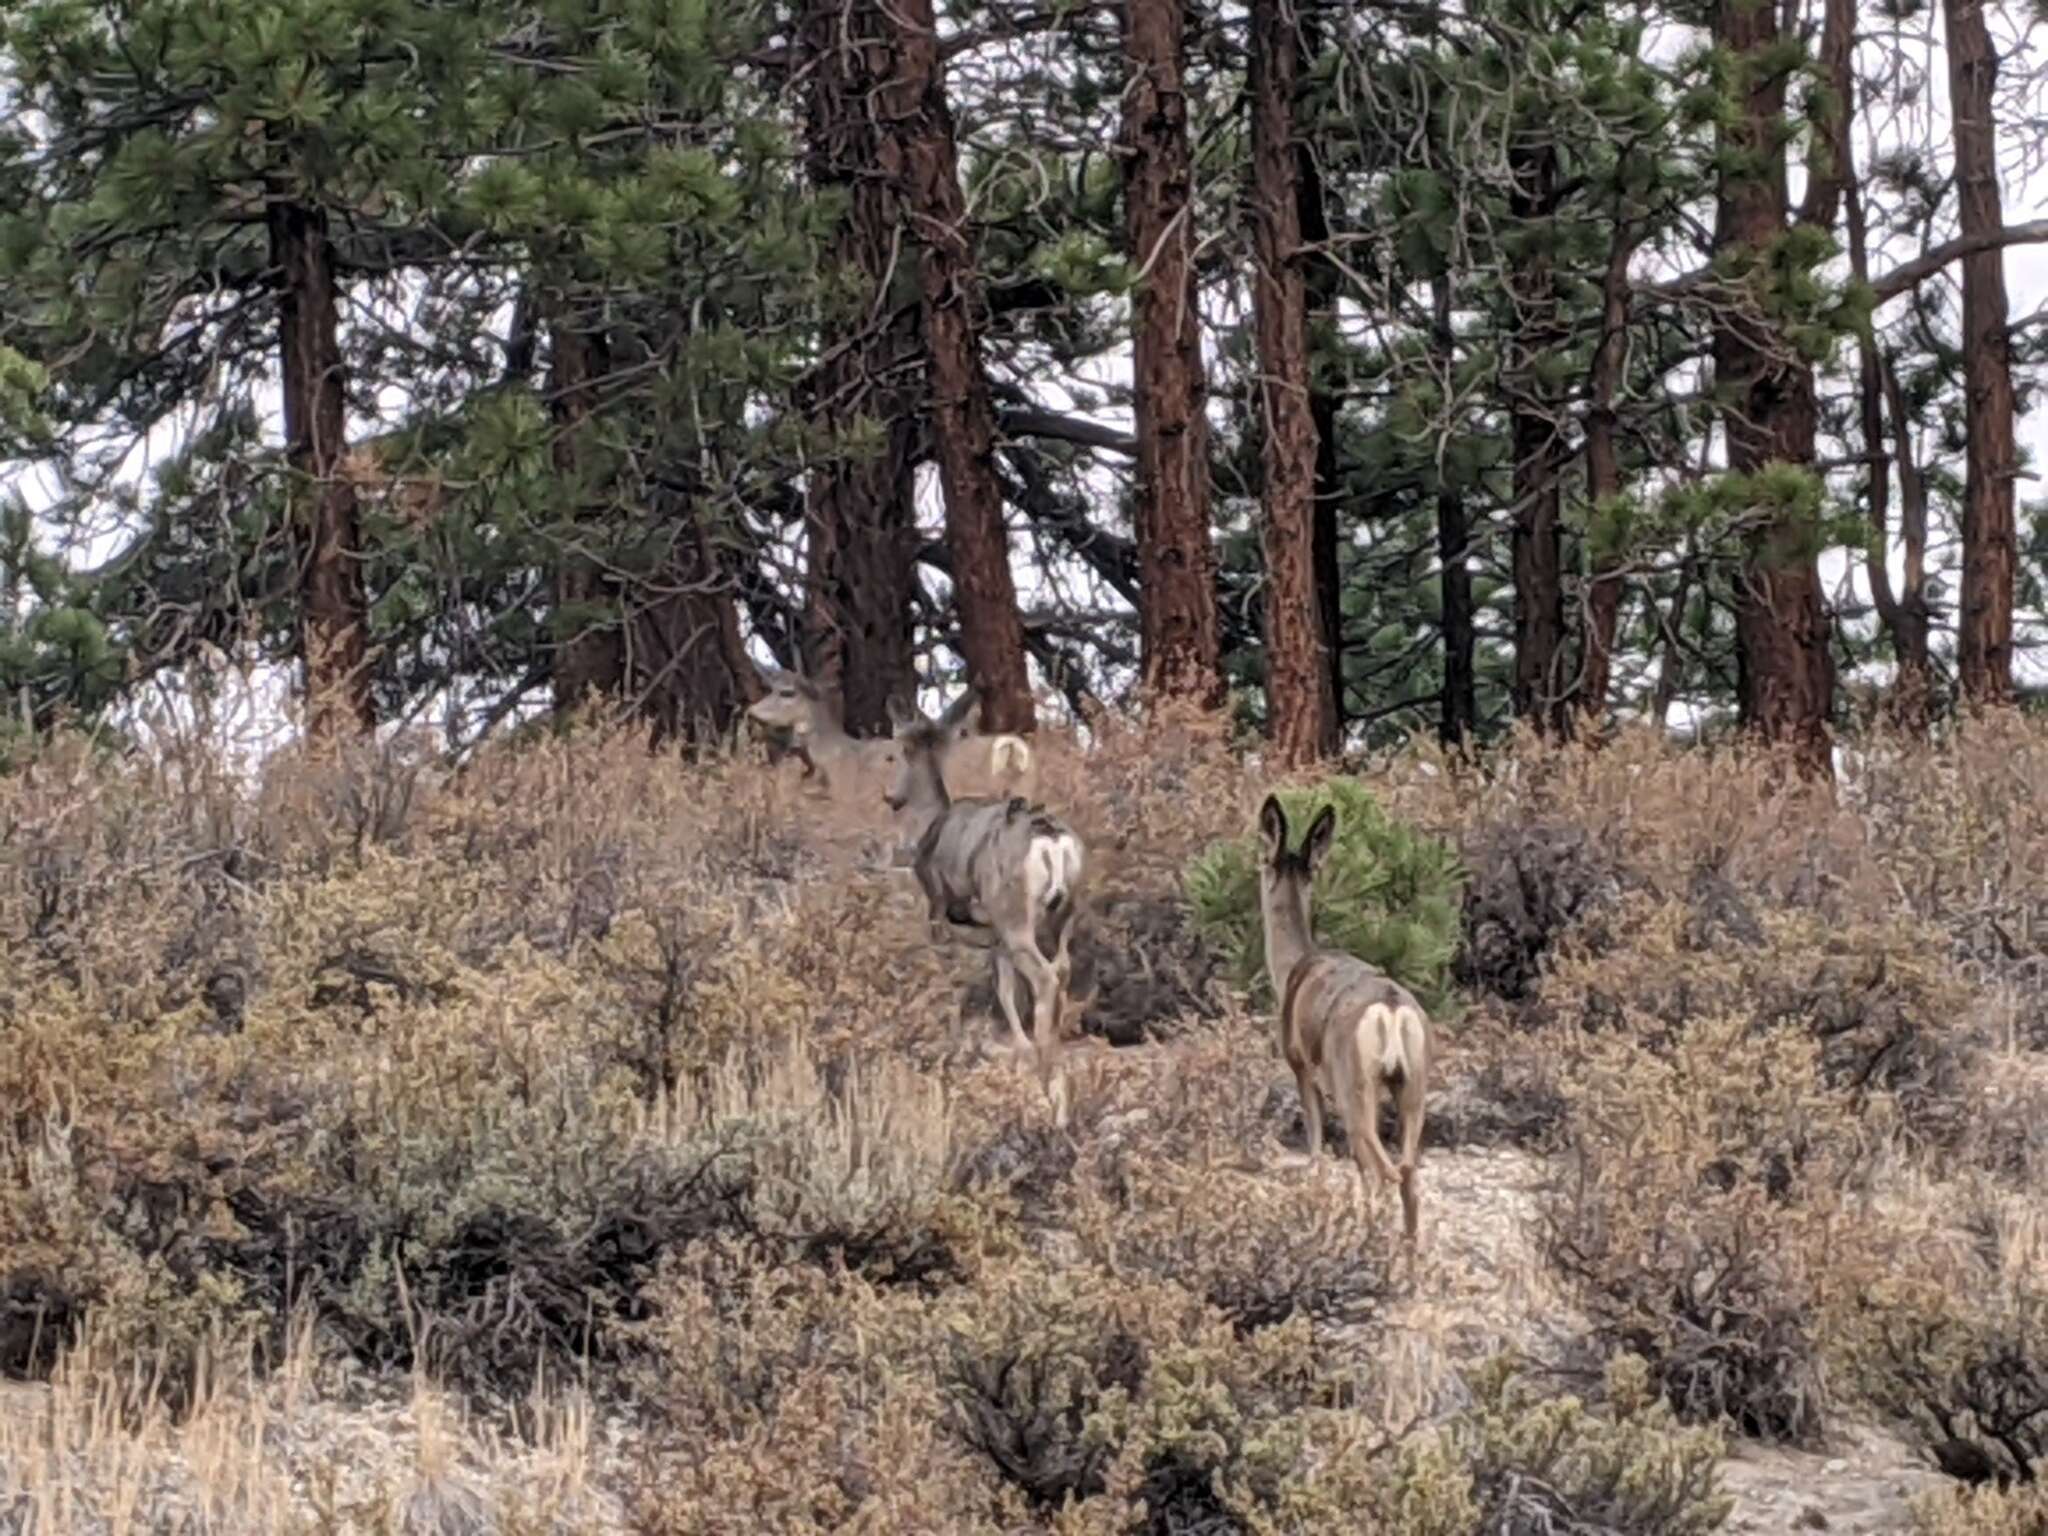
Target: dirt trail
(1483, 1286)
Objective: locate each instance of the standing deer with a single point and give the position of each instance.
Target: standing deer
(803, 720)
(997, 873)
(1344, 1027)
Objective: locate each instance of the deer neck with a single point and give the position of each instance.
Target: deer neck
(1289, 938)
(928, 799)
(825, 736)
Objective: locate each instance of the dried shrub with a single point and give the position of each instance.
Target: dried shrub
(1496, 1095)
(1141, 972)
(1530, 885)
(1963, 836)
(1956, 1346)
(1386, 893)
(793, 1399)
(1143, 1405)
(1691, 1219)
(1551, 1466)
(1982, 1512)
(1258, 1249)
(1889, 1016)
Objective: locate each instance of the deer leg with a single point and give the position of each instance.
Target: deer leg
(1006, 999)
(1312, 1109)
(1411, 1100)
(1365, 1133)
(973, 935)
(1043, 980)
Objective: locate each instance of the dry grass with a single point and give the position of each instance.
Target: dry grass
(622, 1101)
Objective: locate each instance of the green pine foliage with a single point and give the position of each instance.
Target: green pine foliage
(1386, 893)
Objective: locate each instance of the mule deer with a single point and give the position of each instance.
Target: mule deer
(804, 720)
(997, 872)
(1344, 1027)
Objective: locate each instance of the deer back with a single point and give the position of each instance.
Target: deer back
(1329, 991)
(979, 766)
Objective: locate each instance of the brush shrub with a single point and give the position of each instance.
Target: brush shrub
(1959, 1356)
(1532, 884)
(1982, 1512)
(1386, 893)
(1554, 1464)
(1691, 1217)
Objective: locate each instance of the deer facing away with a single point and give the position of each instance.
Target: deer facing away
(997, 872)
(1344, 1027)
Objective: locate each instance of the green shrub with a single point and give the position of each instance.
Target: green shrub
(1386, 893)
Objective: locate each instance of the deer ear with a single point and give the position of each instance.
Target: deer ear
(958, 711)
(902, 714)
(1322, 832)
(1273, 827)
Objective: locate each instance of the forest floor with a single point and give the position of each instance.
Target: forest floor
(333, 1449)
(588, 1145)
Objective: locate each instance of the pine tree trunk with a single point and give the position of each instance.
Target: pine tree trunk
(1453, 534)
(1990, 549)
(1902, 612)
(589, 658)
(1322, 281)
(1603, 483)
(689, 670)
(861, 524)
(1179, 646)
(333, 621)
(1911, 621)
(963, 417)
(1538, 560)
(1785, 673)
(1301, 718)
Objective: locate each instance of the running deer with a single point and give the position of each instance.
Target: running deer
(997, 872)
(1344, 1027)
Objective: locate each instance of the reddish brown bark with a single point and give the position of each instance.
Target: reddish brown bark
(1537, 556)
(1301, 716)
(589, 658)
(861, 523)
(1990, 548)
(963, 417)
(1179, 644)
(1323, 283)
(1603, 481)
(1785, 672)
(333, 621)
(1322, 278)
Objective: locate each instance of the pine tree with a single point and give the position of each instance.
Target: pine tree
(1990, 547)
(205, 182)
(1177, 567)
(865, 395)
(1300, 710)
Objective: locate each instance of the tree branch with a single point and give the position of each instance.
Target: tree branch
(1030, 421)
(1909, 275)
(1903, 278)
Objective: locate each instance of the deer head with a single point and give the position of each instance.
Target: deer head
(1286, 877)
(924, 743)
